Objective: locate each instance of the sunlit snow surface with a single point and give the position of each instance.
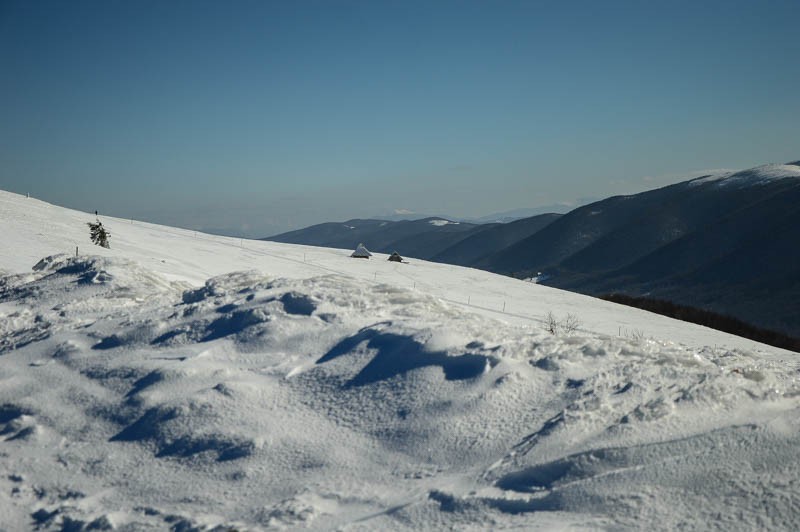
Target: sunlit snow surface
(183, 381)
(442, 222)
(754, 176)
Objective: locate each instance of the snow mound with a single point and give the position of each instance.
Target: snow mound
(332, 397)
(116, 277)
(440, 222)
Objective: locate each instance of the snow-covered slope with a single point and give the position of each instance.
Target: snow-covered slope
(183, 380)
(765, 173)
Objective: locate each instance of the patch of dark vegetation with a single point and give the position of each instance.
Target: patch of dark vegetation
(707, 318)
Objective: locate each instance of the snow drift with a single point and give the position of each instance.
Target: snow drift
(303, 392)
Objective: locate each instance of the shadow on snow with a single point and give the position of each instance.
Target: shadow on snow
(397, 354)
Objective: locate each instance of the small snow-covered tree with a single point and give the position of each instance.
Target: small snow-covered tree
(98, 234)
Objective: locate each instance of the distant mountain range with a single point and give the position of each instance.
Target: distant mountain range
(497, 217)
(415, 238)
(726, 242)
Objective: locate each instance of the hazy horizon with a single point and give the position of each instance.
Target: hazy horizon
(254, 118)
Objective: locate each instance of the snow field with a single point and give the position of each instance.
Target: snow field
(179, 381)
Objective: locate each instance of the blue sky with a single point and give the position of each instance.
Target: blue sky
(257, 117)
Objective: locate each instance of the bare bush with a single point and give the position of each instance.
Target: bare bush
(551, 323)
(570, 323)
(637, 334)
(567, 325)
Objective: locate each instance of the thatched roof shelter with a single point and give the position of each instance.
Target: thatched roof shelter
(361, 252)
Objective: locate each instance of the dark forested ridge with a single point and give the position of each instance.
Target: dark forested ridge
(713, 320)
(727, 243)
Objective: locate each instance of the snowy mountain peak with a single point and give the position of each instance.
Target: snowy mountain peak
(753, 176)
(440, 222)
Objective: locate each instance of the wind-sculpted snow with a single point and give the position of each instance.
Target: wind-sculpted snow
(396, 354)
(312, 391)
(128, 401)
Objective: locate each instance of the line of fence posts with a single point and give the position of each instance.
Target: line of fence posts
(469, 302)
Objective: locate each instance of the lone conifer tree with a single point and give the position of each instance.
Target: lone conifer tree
(98, 234)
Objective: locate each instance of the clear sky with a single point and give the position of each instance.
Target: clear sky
(257, 117)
